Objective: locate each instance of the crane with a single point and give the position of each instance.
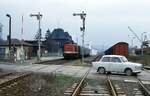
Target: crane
(135, 34)
(140, 40)
(146, 42)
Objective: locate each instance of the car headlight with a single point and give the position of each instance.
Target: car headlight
(138, 67)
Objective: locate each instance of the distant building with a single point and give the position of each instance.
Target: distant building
(60, 36)
(93, 51)
(56, 40)
(132, 50)
(146, 51)
(16, 48)
(34, 47)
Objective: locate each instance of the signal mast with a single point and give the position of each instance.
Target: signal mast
(82, 16)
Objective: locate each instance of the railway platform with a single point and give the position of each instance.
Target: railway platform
(34, 60)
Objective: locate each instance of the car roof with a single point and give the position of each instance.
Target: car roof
(113, 56)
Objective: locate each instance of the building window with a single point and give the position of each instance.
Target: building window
(2, 52)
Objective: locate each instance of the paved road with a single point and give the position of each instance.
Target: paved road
(76, 71)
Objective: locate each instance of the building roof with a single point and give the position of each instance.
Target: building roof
(14, 42)
(35, 43)
(59, 33)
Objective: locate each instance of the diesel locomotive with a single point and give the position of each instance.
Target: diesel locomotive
(72, 51)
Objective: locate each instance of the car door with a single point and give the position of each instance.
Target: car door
(115, 64)
(105, 62)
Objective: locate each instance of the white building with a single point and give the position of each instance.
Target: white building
(93, 50)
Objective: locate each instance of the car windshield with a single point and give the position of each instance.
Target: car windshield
(124, 59)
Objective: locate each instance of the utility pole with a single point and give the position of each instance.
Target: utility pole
(9, 36)
(142, 38)
(82, 16)
(1, 31)
(22, 48)
(39, 16)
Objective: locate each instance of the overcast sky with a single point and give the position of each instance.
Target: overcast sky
(106, 20)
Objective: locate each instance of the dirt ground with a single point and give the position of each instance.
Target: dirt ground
(39, 85)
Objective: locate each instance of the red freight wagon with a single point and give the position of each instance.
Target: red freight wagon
(120, 48)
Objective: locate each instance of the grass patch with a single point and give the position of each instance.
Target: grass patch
(62, 81)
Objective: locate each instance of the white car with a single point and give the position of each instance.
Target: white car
(116, 63)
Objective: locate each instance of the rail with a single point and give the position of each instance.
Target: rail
(56, 61)
(14, 79)
(146, 92)
(113, 91)
(80, 85)
(96, 58)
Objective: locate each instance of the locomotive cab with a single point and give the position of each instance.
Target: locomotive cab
(70, 51)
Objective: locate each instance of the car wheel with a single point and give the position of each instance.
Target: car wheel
(128, 72)
(101, 70)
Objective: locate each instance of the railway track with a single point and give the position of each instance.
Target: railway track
(131, 87)
(97, 58)
(109, 87)
(8, 79)
(56, 62)
(83, 88)
(2, 74)
(145, 87)
(64, 61)
(89, 60)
